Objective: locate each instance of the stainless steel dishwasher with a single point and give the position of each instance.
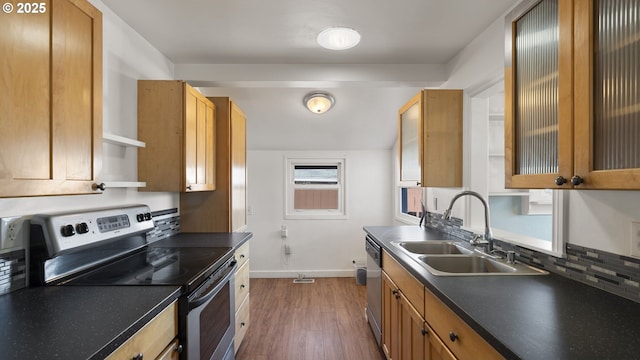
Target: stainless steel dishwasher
(374, 287)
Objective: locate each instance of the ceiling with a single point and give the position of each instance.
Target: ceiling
(264, 55)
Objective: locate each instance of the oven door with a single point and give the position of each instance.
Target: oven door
(211, 319)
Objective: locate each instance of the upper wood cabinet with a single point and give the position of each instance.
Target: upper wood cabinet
(226, 208)
(51, 103)
(572, 111)
(177, 123)
(430, 139)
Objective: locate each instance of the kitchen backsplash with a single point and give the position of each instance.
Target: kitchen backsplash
(614, 273)
(167, 223)
(13, 271)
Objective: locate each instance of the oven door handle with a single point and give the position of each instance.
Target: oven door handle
(202, 299)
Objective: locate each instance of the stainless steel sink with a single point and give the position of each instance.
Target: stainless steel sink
(453, 258)
(433, 247)
(473, 265)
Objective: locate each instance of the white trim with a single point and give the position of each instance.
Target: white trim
(290, 160)
(398, 214)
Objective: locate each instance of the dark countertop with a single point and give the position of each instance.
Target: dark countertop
(529, 317)
(232, 240)
(61, 322)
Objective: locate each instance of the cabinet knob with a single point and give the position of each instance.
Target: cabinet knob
(417, 183)
(396, 293)
(179, 349)
(188, 187)
(242, 324)
(453, 336)
(242, 286)
(576, 180)
(560, 180)
(424, 331)
(138, 357)
(100, 187)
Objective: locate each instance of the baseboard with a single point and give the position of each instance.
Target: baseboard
(305, 273)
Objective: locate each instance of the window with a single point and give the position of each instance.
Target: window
(410, 203)
(315, 189)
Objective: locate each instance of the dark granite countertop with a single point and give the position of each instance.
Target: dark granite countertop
(529, 317)
(76, 322)
(213, 239)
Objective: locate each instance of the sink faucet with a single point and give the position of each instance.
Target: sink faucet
(488, 236)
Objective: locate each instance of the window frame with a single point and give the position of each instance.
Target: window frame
(290, 212)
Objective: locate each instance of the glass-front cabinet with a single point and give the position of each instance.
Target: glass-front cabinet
(572, 106)
(430, 138)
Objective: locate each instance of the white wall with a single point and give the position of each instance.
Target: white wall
(127, 58)
(597, 219)
(319, 247)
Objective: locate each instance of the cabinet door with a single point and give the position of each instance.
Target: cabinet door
(410, 128)
(51, 119)
(434, 348)
(238, 168)
(538, 95)
(412, 332)
(199, 145)
(607, 115)
(390, 319)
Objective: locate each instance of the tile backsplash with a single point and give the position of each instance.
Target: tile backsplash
(13, 271)
(614, 273)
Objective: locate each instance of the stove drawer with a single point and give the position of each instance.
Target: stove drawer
(242, 323)
(153, 338)
(242, 254)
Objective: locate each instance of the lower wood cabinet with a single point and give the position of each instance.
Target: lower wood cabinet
(416, 325)
(459, 337)
(242, 294)
(157, 339)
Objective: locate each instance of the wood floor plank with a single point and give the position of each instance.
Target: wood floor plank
(323, 320)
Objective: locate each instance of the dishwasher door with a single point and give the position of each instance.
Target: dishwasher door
(374, 288)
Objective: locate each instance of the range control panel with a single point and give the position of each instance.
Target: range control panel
(64, 232)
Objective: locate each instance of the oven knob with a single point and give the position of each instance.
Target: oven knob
(147, 216)
(67, 230)
(140, 217)
(82, 228)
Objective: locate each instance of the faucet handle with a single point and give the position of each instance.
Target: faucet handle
(478, 239)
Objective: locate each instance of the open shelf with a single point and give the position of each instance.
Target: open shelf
(121, 140)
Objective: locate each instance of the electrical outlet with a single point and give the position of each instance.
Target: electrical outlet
(11, 232)
(635, 238)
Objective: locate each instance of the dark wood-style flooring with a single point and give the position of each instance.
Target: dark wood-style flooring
(320, 321)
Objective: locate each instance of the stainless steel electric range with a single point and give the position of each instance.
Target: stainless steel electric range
(109, 247)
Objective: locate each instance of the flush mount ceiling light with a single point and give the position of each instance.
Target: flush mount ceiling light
(318, 102)
(338, 38)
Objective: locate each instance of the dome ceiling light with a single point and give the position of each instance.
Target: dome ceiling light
(338, 38)
(318, 102)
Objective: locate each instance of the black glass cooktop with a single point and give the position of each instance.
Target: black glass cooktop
(186, 267)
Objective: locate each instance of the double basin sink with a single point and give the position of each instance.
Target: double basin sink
(451, 258)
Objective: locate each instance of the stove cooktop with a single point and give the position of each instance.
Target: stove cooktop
(186, 267)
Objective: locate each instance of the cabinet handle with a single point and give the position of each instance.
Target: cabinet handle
(424, 331)
(241, 256)
(138, 357)
(179, 349)
(396, 293)
(453, 336)
(417, 183)
(560, 180)
(188, 187)
(576, 180)
(100, 187)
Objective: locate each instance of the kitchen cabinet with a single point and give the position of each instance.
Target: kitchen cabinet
(156, 339)
(225, 209)
(459, 337)
(242, 305)
(430, 139)
(572, 114)
(177, 123)
(51, 105)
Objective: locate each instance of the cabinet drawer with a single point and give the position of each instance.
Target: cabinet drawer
(242, 284)
(242, 323)
(468, 344)
(411, 288)
(171, 352)
(152, 339)
(242, 254)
